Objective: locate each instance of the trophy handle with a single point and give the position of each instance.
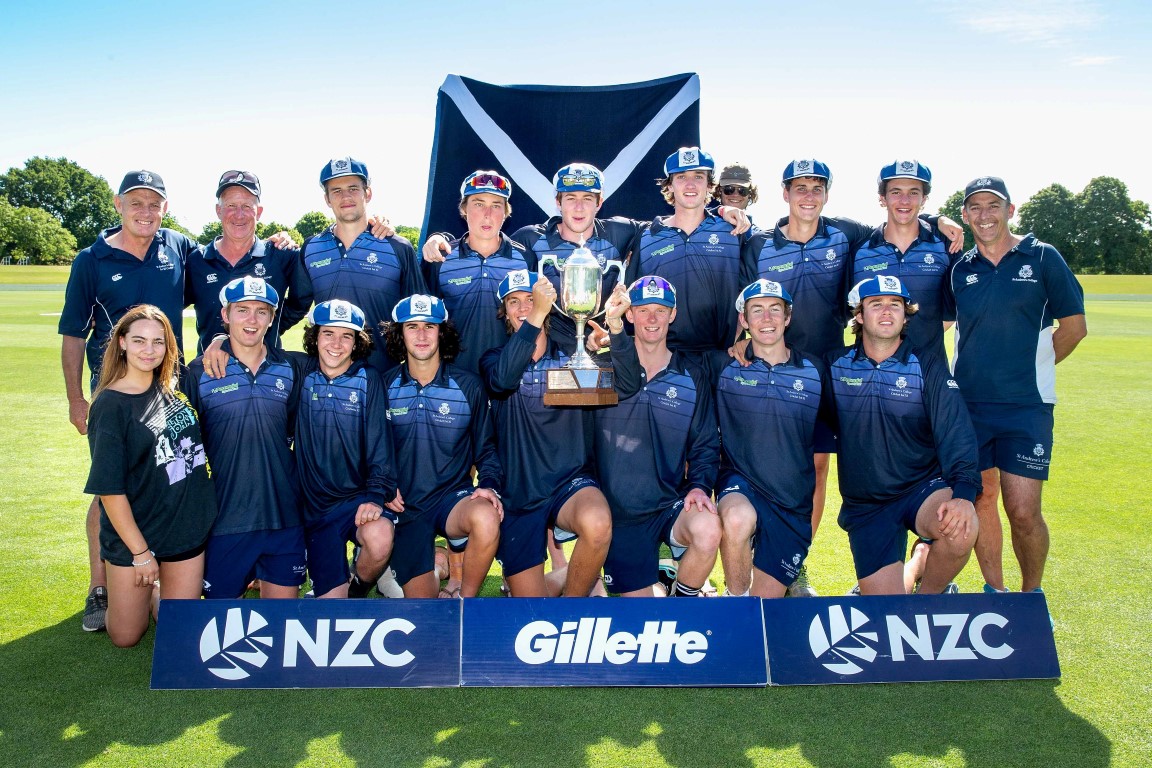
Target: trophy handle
(545, 259)
(608, 267)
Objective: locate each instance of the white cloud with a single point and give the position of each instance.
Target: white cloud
(1092, 61)
(1033, 21)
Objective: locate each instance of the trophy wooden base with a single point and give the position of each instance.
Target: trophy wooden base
(580, 386)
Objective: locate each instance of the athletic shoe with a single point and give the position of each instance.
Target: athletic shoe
(95, 609)
(991, 590)
(386, 585)
(854, 592)
(800, 587)
(667, 574)
(952, 589)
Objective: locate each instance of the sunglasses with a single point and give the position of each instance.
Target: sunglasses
(732, 189)
(488, 180)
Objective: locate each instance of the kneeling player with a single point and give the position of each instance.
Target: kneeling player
(344, 453)
(441, 428)
(908, 450)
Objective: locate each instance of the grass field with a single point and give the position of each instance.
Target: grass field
(68, 698)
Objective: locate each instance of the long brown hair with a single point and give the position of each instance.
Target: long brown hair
(115, 365)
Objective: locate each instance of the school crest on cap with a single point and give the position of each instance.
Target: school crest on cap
(888, 283)
(341, 310)
(421, 305)
(254, 286)
(652, 290)
(144, 178)
(906, 166)
(688, 157)
(341, 164)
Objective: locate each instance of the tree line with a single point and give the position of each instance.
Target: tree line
(53, 206)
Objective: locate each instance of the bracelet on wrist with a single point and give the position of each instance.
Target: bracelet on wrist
(141, 552)
(141, 565)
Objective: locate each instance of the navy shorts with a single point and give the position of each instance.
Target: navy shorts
(634, 554)
(878, 533)
(326, 539)
(524, 537)
(231, 561)
(1014, 438)
(823, 438)
(413, 548)
(782, 538)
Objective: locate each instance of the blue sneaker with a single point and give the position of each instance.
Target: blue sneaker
(991, 590)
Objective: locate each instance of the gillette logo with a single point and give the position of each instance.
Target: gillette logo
(592, 641)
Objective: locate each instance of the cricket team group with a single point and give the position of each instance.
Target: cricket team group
(416, 411)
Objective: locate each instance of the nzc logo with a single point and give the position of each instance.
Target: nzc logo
(230, 652)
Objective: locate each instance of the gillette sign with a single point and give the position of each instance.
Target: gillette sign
(909, 638)
(600, 642)
(307, 644)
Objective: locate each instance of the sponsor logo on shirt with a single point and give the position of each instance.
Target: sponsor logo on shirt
(320, 263)
(664, 250)
(852, 381)
(744, 382)
(212, 278)
(876, 267)
(400, 411)
(460, 280)
(224, 389)
(971, 280)
(117, 277)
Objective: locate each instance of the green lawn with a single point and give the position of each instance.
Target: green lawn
(68, 698)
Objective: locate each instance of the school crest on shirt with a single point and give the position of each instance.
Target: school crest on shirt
(259, 270)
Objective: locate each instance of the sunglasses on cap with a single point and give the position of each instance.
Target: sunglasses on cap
(584, 179)
(732, 189)
(488, 180)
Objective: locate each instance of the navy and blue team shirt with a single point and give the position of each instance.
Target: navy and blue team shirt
(611, 239)
(207, 271)
(343, 444)
(439, 431)
(705, 268)
(467, 283)
(767, 415)
(374, 274)
(248, 420)
(643, 445)
(923, 268)
(1004, 322)
(105, 282)
(901, 423)
(816, 273)
(543, 448)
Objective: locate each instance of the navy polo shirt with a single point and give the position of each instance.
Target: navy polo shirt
(207, 272)
(439, 431)
(247, 419)
(542, 448)
(1004, 322)
(610, 240)
(815, 273)
(643, 445)
(467, 282)
(343, 445)
(374, 274)
(105, 282)
(924, 270)
(767, 415)
(705, 269)
(901, 423)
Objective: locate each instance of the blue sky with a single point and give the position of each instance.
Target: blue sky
(1036, 92)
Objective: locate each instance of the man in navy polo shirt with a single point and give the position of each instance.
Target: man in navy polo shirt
(348, 262)
(441, 427)
(551, 482)
(237, 252)
(248, 419)
(657, 453)
(697, 251)
(909, 248)
(907, 449)
(344, 454)
(1019, 311)
(767, 413)
(133, 263)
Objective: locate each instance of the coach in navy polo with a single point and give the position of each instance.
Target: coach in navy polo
(237, 252)
(907, 449)
(248, 419)
(348, 262)
(133, 263)
(1019, 311)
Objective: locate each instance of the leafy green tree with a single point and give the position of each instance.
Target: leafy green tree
(1051, 214)
(34, 234)
(211, 231)
(952, 208)
(1111, 229)
(171, 222)
(411, 234)
(78, 199)
(312, 223)
(266, 229)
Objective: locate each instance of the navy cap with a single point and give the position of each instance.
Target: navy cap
(688, 159)
(245, 179)
(338, 313)
(343, 166)
(489, 182)
(579, 177)
(880, 285)
(419, 308)
(516, 280)
(143, 180)
(807, 167)
(652, 289)
(762, 289)
(993, 184)
(249, 289)
(906, 169)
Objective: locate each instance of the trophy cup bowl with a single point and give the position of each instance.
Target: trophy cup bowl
(581, 381)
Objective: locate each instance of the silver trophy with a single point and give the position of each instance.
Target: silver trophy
(581, 381)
